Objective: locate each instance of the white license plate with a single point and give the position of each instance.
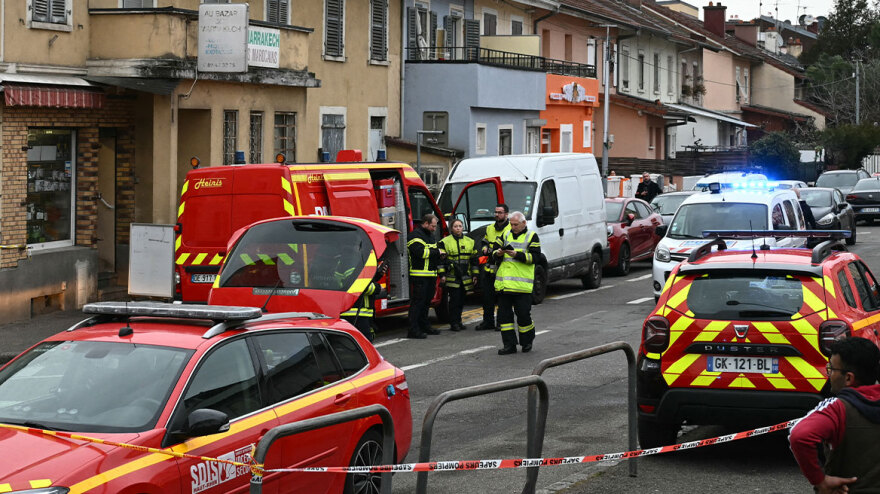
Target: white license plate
(870, 210)
(754, 365)
(203, 278)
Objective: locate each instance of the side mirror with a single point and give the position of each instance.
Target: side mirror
(843, 205)
(204, 422)
(630, 218)
(660, 230)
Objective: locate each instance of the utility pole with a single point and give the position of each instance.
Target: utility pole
(606, 74)
(858, 95)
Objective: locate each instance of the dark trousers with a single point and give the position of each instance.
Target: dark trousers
(456, 304)
(363, 324)
(521, 304)
(487, 288)
(421, 293)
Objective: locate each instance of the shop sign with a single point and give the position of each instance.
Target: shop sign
(223, 37)
(264, 47)
(573, 93)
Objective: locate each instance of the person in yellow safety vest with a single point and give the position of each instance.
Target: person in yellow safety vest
(360, 315)
(491, 241)
(424, 257)
(519, 253)
(460, 270)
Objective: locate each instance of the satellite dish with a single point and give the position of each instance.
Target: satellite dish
(806, 20)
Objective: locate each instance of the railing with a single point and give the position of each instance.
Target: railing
(498, 58)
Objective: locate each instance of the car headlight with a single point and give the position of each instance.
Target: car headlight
(825, 220)
(662, 254)
(610, 230)
(44, 490)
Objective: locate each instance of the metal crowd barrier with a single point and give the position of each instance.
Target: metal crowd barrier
(540, 417)
(281, 431)
(535, 435)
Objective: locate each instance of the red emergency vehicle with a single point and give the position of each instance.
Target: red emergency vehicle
(217, 201)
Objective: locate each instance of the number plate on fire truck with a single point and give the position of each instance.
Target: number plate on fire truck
(756, 365)
(203, 278)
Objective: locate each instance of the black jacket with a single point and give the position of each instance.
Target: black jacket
(650, 189)
(417, 249)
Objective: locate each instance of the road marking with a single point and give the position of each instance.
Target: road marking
(446, 357)
(575, 294)
(645, 277)
(542, 332)
(389, 342)
(640, 300)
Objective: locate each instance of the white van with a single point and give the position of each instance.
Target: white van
(747, 209)
(560, 195)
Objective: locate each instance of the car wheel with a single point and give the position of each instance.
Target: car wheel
(539, 286)
(653, 434)
(593, 278)
(624, 262)
(852, 236)
(367, 452)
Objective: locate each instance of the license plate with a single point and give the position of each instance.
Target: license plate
(754, 365)
(203, 278)
(870, 210)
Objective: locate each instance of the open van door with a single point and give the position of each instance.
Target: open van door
(476, 203)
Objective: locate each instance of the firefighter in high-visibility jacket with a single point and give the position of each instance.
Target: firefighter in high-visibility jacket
(459, 270)
(424, 258)
(360, 315)
(491, 241)
(519, 253)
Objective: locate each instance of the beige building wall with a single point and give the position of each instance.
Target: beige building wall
(506, 12)
(648, 46)
(632, 131)
(554, 45)
(526, 45)
(52, 44)
(774, 88)
(718, 77)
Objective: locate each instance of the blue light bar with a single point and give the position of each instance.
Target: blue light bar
(177, 311)
(832, 234)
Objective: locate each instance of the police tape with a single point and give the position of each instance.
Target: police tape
(450, 466)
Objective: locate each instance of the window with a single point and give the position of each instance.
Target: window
(332, 133)
(791, 219)
(256, 146)
(285, 135)
(379, 30)
(846, 288)
(453, 26)
(548, 198)
(436, 120)
(624, 67)
(670, 81)
(230, 134)
(736, 295)
(334, 28)
(480, 143)
(746, 85)
(738, 86)
(278, 11)
(866, 286)
(225, 381)
(478, 202)
(643, 210)
(149, 4)
(588, 133)
(591, 51)
(51, 180)
(569, 47)
(778, 217)
(290, 365)
(641, 69)
(490, 22)
(349, 354)
(50, 11)
(685, 79)
(326, 363)
(505, 141)
(630, 209)
(516, 26)
(656, 73)
(566, 139)
(420, 204)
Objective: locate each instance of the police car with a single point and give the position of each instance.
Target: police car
(207, 381)
(752, 205)
(741, 337)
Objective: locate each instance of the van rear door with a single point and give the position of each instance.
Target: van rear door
(350, 193)
(476, 202)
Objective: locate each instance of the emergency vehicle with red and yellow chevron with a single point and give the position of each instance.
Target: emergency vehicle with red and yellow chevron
(742, 336)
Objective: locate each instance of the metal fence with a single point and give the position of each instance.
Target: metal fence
(498, 58)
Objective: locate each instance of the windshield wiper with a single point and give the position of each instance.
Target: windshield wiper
(754, 313)
(32, 425)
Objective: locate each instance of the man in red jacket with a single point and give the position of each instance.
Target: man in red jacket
(847, 427)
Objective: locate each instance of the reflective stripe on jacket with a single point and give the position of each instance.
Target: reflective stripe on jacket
(461, 261)
(517, 273)
(492, 240)
(423, 255)
(364, 305)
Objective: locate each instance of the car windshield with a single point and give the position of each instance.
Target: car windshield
(90, 386)
(612, 211)
(752, 294)
(519, 196)
(837, 180)
(297, 255)
(668, 204)
(692, 220)
(867, 184)
(816, 198)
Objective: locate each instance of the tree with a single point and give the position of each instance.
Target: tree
(847, 32)
(847, 145)
(777, 153)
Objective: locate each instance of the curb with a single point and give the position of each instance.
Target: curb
(6, 357)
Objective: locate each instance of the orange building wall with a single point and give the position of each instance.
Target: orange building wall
(560, 111)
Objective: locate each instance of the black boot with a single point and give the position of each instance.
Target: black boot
(455, 326)
(507, 350)
(485, 326)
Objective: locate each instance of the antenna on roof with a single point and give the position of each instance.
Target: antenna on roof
(754, 254)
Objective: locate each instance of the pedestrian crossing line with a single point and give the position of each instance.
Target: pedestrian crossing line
(640, 278)
(445, 357)
(640, 300)
(575, 294)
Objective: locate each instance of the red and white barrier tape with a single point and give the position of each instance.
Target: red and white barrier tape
(449, 466)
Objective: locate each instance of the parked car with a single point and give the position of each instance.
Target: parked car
(830, 209)
(865, 199)
(631, 232)
(667, 204)
(789, 184)
(844, 180)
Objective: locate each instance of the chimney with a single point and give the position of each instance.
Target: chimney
(813, 28)
(795, 48)
(713, 18)
(747, 33)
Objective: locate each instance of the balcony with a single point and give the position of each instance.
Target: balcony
(498, 58)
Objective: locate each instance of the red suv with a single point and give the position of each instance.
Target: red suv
(742, 337)
(204, 380)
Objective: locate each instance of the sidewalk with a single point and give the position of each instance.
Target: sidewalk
(19, 336)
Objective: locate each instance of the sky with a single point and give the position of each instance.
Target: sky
(788, 9)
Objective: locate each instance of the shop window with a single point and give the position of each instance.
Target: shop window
(230, 132)
(285, 135)
(256, 146)
(51, 173)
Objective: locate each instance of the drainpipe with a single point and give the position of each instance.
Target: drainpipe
(539, 19)
(403, 37)
(3, 33)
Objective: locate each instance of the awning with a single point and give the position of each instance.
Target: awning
(49, 90)
(710, 114)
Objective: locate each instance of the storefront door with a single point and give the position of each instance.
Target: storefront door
(107, 201)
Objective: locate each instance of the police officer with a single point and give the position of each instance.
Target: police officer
(491, 241)
(361, 313)
(459, 271)
(424, 257)
(520, 250)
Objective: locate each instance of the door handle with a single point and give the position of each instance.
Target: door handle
(342, 398)
(561, 232)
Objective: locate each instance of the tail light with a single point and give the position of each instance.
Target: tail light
(655, 334)
(850, 197)
(831, 331)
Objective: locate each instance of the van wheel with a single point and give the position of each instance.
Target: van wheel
(852, 236)
(539, 288)
(593, 278)
(653, 434)
(624, 262)
(442, 309)
(367, 452)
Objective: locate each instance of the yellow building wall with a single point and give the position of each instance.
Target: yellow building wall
(525, 45)
(23, 44)
(774, 88)
(506, 12)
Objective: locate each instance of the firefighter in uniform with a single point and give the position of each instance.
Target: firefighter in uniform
(360, 315)
(459, 271)
(491, 241)
(520, 251)
(424, 257)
